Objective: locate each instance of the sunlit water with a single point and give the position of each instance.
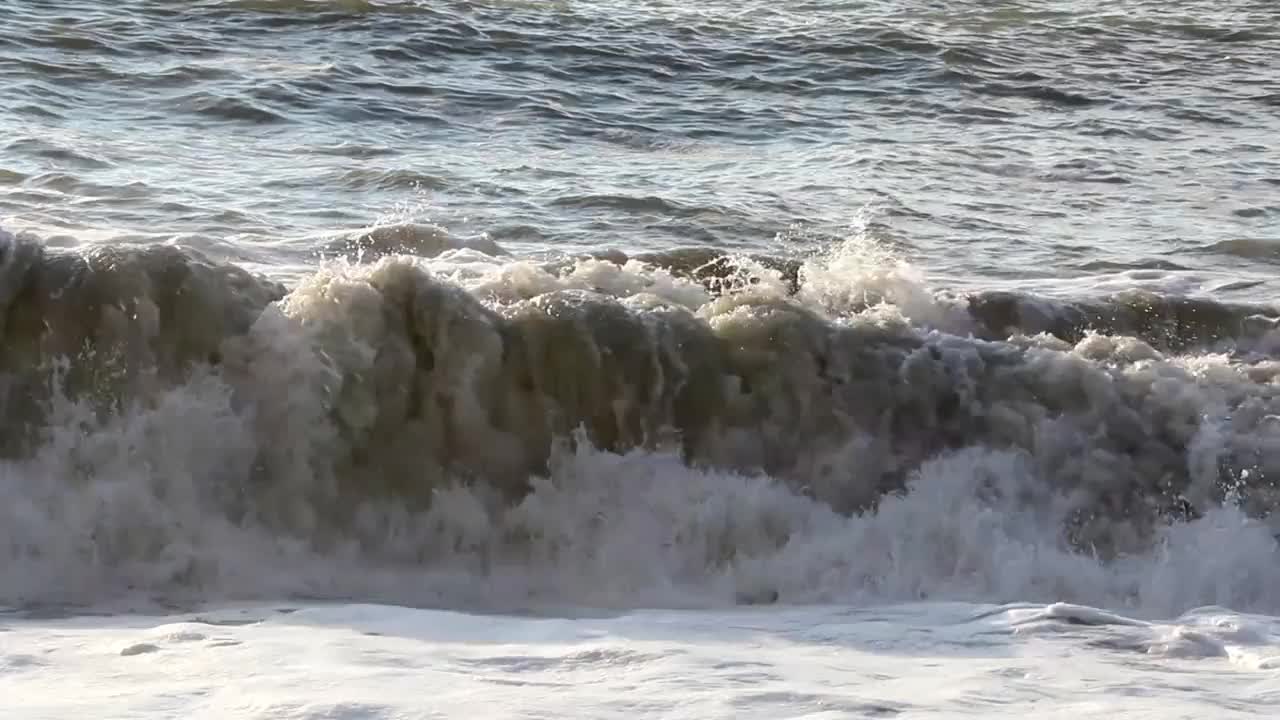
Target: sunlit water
(1029, 141)
(906, 661)
(831, 359)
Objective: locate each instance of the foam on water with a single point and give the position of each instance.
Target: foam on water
(922, 660)
(482, 431)
(639, 363)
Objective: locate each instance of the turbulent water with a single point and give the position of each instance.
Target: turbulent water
(961, 313)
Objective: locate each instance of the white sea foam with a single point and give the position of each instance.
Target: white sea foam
(297, 465)
(920, 660)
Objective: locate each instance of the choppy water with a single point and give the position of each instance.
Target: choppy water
(1028, 141)
(534, 306)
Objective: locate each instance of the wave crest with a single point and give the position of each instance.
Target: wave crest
(152, 394)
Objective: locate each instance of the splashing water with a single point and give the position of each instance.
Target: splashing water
(471, 429)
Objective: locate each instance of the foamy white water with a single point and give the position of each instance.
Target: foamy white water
(423, 358)
(244, 443)
(359, 662)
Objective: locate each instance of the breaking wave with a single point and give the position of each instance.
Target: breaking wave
(462, 426)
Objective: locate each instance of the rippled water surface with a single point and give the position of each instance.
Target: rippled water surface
(921, 359)
(988, 141)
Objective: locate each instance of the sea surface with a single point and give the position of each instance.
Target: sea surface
(421, 358)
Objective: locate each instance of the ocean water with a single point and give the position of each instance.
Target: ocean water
(416, 358)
